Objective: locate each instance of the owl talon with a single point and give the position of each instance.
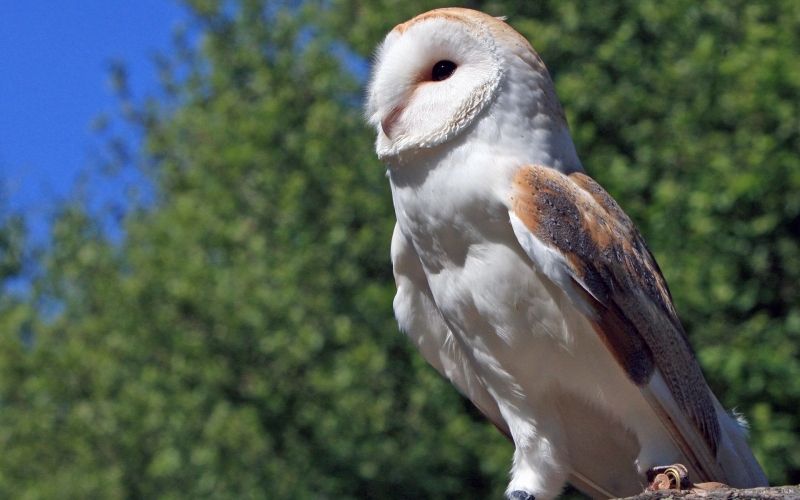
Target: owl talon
(520, 495)
(669, 477)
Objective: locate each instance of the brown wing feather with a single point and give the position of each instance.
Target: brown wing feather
(615, 272)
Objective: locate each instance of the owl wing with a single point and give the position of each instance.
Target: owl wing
(418, 316)
(578, 236)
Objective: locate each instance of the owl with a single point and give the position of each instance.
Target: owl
(523, 282)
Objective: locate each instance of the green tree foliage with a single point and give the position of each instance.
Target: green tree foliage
(239, 343)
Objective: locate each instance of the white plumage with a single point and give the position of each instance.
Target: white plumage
(521, 280)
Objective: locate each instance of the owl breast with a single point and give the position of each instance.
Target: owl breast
(520, 333)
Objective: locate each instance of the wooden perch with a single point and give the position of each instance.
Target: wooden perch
(721, 492)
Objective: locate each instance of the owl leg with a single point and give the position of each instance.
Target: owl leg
(657, 448)
(540, 462)
(668, 477)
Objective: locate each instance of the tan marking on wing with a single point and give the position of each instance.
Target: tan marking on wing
(616, 273)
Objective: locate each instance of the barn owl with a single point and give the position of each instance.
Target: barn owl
(523, 282)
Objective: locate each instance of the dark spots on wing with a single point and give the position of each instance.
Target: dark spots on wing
(600, 256)
(622, 339)
(618, 276)
(565, 228)
(630, 248)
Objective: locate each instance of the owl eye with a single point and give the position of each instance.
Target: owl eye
(442, 70)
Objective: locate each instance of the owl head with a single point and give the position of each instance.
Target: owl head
(443, 71)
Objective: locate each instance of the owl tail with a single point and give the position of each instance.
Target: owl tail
(738, 462)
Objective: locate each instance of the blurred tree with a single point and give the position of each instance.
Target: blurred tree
(240, 343)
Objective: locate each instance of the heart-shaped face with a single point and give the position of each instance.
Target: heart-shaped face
(432, 77)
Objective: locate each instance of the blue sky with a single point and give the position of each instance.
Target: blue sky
(54, 81)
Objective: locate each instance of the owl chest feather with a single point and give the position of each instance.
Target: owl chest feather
(480, 277)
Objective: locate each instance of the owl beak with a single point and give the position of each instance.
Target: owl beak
(389, 122)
